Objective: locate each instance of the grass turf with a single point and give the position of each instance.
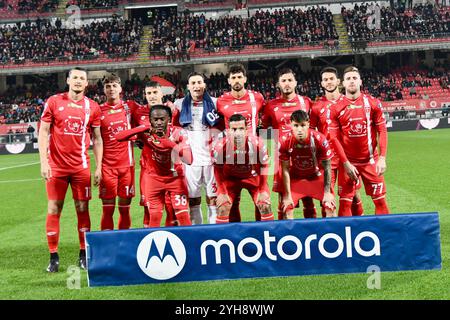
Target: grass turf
(417, 181)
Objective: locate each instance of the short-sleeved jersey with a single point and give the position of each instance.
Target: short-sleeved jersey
(241, 164)
(356, 124)
(139, 114)
(70, 132)
(277, 113)
(305, 157)
(160, 163)
(250, 105)
(320, 120)
(114, 119)
(199, 134)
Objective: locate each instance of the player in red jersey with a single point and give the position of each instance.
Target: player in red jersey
(277, 114)
(306, 166)
(140, 116)
(118, 159)
(67, 122)
(249, 104)
(358, 124)
(165, 148)
(320, 120)
(240, 162)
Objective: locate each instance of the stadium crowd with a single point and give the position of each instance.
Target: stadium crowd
(424, 20)
(387, 86)
(44, 41)
(287, 27)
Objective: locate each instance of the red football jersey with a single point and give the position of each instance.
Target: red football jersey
(241, 164)
(305, 157)
(70, 132)
(320, 119)
(249, 105)
(160, 163)
(277, 113)
(356, 124)
(114, 119)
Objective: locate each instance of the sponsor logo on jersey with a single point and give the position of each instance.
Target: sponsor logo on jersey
(352, 106)
(239, 102)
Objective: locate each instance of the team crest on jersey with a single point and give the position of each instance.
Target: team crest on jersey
(358, 128)
(61, 108)
(73, 125)
(325, 143)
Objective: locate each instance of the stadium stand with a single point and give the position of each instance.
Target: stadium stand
(43, 41)
(422, 23)
(19, 8)
(262, 30)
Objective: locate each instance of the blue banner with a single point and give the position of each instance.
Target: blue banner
(264, 249)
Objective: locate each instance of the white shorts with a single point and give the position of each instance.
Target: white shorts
(196, 176)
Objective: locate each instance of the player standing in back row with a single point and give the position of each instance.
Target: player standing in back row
(358, 124)
(118, 157)
(67, 122)
(320, 120)
(249, 104)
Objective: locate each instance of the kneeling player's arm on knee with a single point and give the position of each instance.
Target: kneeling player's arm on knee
(326, 175)
(128, 134)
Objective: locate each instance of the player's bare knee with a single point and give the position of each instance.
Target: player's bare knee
(124, 201)
(264, 208)
(81, 205)
(55, 206)
(224, 209)
(195, 201)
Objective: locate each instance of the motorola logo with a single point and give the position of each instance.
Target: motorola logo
(161, 255)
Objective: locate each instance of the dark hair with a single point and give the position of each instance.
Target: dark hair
(161, 107)
(329, 70)
(195, 73)
(285, 71)
(299, 116)
(76, 68)
(351, 69)
(152, 84)
(237, 117)
(111, 79)
(236, 68)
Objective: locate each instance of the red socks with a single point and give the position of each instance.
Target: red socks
(222, 219)
(124, 218)
(107, 222)
(84, 225)
(52, 228)
(357, 208)
(345, 207)
(267, 217)
(146, 217)
(183, 218)
(381, 206)
(309, 211)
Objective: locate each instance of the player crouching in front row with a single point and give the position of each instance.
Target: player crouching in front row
(306, 167)
(241, 162)
(165, 148)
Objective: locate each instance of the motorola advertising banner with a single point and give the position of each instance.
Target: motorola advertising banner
(264, 249)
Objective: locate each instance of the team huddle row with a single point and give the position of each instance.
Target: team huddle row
(201, 141)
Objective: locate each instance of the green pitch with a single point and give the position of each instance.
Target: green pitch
(417, 181)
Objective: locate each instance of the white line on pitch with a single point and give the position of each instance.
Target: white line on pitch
(22, 165)
(24, 180)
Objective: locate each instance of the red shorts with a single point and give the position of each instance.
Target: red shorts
(235, 186)
(373, 183)
(307, 187)
(80, 182)
(156, 189)
(117, 182)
